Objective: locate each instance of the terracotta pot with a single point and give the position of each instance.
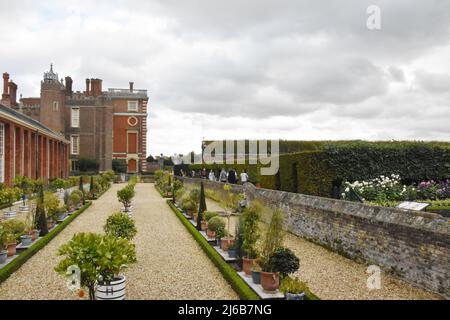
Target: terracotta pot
(204, 225)
(226, 243)
(34, 234)
(211, 234)
(247, 265)
(11, 248)
(270, 281)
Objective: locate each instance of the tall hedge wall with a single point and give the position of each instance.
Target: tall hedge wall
(315, 172)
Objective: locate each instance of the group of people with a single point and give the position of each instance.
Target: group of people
(231, 176)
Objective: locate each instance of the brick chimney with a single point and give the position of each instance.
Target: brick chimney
(131, 86)
(12, 93)
(68, 86)
(96, 87)
(87, 87)
(5, 94)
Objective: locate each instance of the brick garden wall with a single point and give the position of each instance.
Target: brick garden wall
(414, 246)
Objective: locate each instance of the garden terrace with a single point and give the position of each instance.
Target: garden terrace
(413, 246)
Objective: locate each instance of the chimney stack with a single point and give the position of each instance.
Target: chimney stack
(68, 86)
(87, 87)
(5, 83)
(96, 87)
(12, 93)
(131, 86)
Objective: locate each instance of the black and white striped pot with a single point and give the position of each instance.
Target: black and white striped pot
(115, 290)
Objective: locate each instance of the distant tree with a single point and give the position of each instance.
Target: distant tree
(150, 158)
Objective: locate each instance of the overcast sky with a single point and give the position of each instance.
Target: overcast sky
(297, 69)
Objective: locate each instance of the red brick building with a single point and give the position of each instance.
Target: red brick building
(27, 147)
(100, 125)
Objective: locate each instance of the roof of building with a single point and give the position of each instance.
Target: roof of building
(29, 121)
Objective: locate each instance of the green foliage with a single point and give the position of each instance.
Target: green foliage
(75, 198)
(96, 256)
(51, 204)
(125, 195)
(119, 165)
(273, 239)
(120, 225)
(295, 286)
(282, 260)
(13, 228)
(210, 214)
(216, 223)
(10, 195)
(88, 165)
(40, 216)
(230, 275)
(7, 270)
(250, 230)
(58, 183)
(27, 185)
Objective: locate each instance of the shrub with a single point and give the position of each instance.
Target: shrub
(14, 227)
(273, 239)
(210, 214)
(120, 225)
(75, 197)
(250, 230)
(284, 261)
(40, 216)
(202, 206)
(88, 165)
(294, 286)
(58, 183)
(97, 256)
(119, 165)
(51, 204)
(125, 195)
(215, 223)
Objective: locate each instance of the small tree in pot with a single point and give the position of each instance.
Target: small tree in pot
(270, 279)
(214, 225)
(250, 230)
(120, 225)
(3, 238)
(100, 259)
(40, 216)
(125, 195)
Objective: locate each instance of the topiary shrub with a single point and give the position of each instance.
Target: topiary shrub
(210, 214)
(125, 195)
(215, 223)
(120, 225)
(284, 261)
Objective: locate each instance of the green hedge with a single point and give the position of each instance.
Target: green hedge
(7, 270)
(239, 285)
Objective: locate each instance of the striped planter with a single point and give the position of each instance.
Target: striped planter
(115, 290)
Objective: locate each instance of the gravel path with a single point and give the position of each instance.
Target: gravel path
(170, 263)
(332, 276)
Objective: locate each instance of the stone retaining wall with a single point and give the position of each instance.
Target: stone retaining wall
(413, 245)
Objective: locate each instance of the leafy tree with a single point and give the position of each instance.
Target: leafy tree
(250, 230)
(97, 256)
(41, 218)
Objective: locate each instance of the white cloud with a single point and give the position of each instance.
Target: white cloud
(247, 69)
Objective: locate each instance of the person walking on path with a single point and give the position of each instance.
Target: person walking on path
(223, 176)
(244, 177)
(212, 176)
(232, 176)
(203, 174)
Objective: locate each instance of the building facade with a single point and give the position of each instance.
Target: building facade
(27, 147)
(100, 125)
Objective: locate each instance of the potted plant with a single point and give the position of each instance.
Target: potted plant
(201, 223)
(14, 229)
(11, 244)
(40, 216)
(250, 231)
(120, 225)
(188, 206)
(209, 214)
(75, 199)
(214, 224)
(100, 259)
(51, 206)
(9, 196)
(125, 195)
(293, 288)
(3, 238)
(232, 250)
(284, 261)
(256, 272)
(270, 278)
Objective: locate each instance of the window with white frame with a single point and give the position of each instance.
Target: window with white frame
(133, 106)
(75, 144)
(2, 152)
(75, 117)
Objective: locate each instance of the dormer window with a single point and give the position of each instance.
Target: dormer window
(133, 106)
